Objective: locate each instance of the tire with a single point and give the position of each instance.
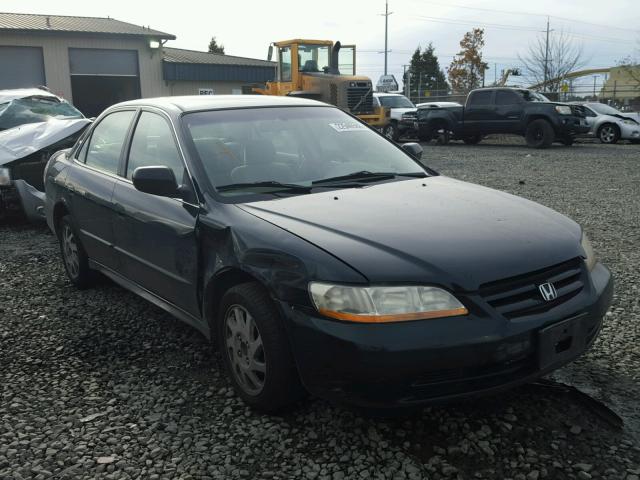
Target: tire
(539, 134)
(74, 257)
(568, 140)
(441, 134)
(391, 131)
(609, 133)
(474, 140)
(263, 374)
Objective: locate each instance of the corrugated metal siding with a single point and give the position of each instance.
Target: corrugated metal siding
(221, 73)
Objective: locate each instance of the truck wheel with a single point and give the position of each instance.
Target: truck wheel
(441, 134)
(539, 134)
(391, 131)
(255, 349)
(609, 133)
(75, 259)
(474, 140)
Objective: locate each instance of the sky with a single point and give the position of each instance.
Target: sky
(246, 27)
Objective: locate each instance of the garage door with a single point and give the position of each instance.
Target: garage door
(21, 67)
(102, 77)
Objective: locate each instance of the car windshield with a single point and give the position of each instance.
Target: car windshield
(603, 109)
(263, 150)
(33, 110)
(393, 101)
(530, 96)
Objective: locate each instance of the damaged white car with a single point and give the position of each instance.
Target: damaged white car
(34, 124)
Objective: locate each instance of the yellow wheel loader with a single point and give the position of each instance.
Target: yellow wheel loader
(325, 71)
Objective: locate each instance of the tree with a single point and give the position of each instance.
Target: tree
(214, 47)
(631, 66)
(425, 75)
(563, 56)
(466, 71)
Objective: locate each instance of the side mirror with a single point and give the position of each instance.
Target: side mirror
(155, 180)
(413, 149)
(270, 54)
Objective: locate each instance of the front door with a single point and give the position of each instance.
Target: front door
(479, 113)
(155, 236)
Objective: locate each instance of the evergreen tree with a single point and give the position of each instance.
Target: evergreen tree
(427, 78)
(214, 47)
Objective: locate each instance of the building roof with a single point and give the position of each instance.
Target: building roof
(179, 55)
(26, 22)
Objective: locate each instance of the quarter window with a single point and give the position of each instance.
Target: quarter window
(105, 145)
(153, 145)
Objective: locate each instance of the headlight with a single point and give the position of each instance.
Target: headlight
(384, 304)
(589, 254)
(629, 121)
(563, 109)
(5, 177)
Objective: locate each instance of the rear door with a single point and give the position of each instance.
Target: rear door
(91, 183)
(508, 112)
(479, 112)
(155, 236)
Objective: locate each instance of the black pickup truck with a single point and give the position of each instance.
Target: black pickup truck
(506, 111)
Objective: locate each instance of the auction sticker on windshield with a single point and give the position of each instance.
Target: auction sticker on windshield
(347, 126)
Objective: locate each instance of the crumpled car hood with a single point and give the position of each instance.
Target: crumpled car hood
(21, 141)
(448, 232)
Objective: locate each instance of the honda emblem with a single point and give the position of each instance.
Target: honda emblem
(548, 291)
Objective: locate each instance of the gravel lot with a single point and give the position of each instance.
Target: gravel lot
(100, 384)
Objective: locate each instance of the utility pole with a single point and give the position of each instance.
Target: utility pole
(495, 74)
(546, 58)
(595, 77)
(386, 32)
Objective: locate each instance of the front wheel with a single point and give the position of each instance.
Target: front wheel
(539, 134)
(255, 350)
(609, 133)
(391, 131)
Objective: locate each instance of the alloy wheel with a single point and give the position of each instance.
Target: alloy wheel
(245, 350)
(70, 250)
(607, 134)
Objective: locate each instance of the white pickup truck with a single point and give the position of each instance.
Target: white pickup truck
(397, 104)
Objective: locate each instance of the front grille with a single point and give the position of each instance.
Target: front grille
(409, 117)
(519, 296)
(360, 99)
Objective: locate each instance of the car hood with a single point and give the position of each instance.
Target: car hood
(432, 230)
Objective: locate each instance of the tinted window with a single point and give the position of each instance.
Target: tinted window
(153, 145)
(505, 97)
(106, 141)
(290, 145)
(480, 98)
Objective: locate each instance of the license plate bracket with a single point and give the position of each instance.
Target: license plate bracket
(560, 342)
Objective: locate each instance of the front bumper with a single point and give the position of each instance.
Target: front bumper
(571, 125)
(20, 197)
(411, 363)
(629, 132)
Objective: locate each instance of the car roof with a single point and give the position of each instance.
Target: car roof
(194, 103)
(387, 94)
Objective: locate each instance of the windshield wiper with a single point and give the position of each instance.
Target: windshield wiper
(368, 176)
(277, 186)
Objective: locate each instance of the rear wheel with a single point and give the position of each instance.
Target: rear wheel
(473, 140)
(609, 133)
(75, 259)
(539, 134)
(255, 349)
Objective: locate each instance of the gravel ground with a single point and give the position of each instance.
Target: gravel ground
(100, 384)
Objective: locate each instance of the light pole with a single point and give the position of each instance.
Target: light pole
(386, 32)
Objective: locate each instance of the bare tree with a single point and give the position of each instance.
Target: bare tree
(631, 66)
(563, 56)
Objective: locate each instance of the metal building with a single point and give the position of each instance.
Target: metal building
(96, 62)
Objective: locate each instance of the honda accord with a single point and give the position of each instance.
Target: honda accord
(319, 256)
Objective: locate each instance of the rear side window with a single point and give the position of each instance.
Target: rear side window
(153, 145)
(105, 145)
(505, 97)
(480, 98)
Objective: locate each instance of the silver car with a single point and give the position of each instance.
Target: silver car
(611, 125)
